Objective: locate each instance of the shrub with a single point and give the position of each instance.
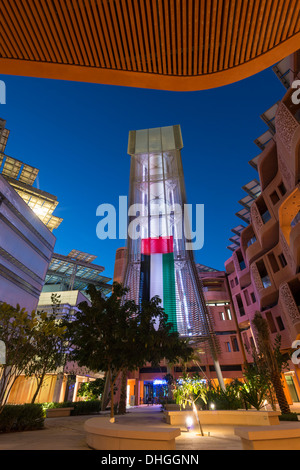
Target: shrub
(86, 407)
(27, 417)
(91, 390)
(80, 407)
(228, 399)
(288, 417)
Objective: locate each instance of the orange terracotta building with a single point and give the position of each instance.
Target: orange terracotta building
(263, 271)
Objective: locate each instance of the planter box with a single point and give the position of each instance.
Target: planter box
(283, 437)
(226, 417)
(101, 434)
(58, 412)
(175, 407)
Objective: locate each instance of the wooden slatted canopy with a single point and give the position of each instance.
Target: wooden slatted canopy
(162, 44)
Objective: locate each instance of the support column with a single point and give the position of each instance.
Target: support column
(58, 387)
(219, 374)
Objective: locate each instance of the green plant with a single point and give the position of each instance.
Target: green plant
(255, 391)
(113, 334)
(86, 407)
(91, 390)
(16, 418)
(288, 417)
(228, 399)
(189, 390)
(80, 407)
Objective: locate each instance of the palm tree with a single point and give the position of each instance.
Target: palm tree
(267, 352)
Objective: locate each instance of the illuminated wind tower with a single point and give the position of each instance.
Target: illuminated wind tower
(158, 261)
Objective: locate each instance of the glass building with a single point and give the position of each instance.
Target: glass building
(160, 260)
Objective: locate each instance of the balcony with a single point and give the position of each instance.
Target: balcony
(295, 240)
(250, 245)
(264, 224)
(241, 269)
(267, 165)
(267, 293)
(253, 251)
(287, 138)
(289, 218)
(289, 297)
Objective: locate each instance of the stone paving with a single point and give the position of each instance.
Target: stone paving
(68, 433)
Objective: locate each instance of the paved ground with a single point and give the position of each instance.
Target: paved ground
(68, 433)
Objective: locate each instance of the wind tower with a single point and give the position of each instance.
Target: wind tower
(159, 261)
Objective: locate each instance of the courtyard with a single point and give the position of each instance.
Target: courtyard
(67, 433)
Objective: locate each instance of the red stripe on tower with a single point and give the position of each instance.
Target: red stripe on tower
(160, 245)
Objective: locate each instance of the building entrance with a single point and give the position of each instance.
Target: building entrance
(155, 391)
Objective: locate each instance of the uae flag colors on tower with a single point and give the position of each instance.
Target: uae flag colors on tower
(157, 276)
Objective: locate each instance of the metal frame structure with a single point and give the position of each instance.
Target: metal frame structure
(74, 272)
(22, 177)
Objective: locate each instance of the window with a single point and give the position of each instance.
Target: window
(271, 323)
(232, 283)
(296, 219)
(266, 216)
(222, 316)
(241, 260)
(273, 262)
(263, 210)
(227, 347)
(240, 305)
(228, 314)
(251, 241)
(280, 323)
(294, 286)
(247, 297)
(246, 342)
(263, 274)
(274, 198)
(282, 189)
(234, 343)
(253, 298)
(282, 260)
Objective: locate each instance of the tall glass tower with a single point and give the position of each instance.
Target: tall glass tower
(159, 259)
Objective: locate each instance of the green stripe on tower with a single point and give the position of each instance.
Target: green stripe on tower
(169, 289)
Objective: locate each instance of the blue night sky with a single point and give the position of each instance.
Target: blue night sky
(76, 134)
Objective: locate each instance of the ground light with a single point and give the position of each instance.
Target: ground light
(189, 423)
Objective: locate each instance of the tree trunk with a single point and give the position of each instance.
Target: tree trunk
(123, 395)
(112, 383)
(105, 394)
(112, 411)
(39, 385)
(39, 382)
(280, 395)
